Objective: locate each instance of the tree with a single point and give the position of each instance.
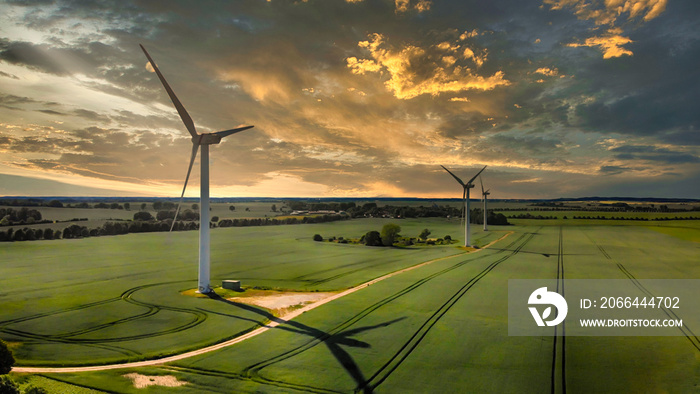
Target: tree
(273, 208)
(143, 215)
(55, 204)
(389, 233)
(195, 207)
(318, 237)
(215, 219)
(424, 234)
(8, 386)
(143, 206)
(19, 235)
(231, 208)
(161, 215)
(7, 360)
(372, 238)
(127, 206)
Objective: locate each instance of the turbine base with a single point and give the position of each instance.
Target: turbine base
(203, 290)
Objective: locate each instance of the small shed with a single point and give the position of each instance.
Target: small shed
(231, 284)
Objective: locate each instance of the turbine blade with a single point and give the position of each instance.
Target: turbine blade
(477, 174)
(482, 186)
(195, 147)
(454, 176)
(226, 133)
(186, 119)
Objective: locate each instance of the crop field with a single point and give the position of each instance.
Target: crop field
(105, 299)
(440, 327)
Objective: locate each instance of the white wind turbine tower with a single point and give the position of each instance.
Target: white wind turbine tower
(203, 141)
(484, 197)
(465, 196)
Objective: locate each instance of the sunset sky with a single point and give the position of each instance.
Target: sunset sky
(353, 98)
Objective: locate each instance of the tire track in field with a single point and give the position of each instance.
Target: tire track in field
(42, 339)
(687, 332)
(275, 323)
(45, 314)
(127, 296)
(237, 376)
(558, 381)
(405, 351)
(253, 371)
(376, 306)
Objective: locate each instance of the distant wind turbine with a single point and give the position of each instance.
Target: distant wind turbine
(465, 196)
(484, 197)
(203, 141)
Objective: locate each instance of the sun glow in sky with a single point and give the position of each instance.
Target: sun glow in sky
(560, 98)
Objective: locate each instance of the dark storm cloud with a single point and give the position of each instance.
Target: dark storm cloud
(613, 170)
(652, 92)
(652, 153)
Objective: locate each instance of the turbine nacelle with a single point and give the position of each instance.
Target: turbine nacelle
(206, 139)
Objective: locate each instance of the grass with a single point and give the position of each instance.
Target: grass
(123, 302)
(440, 327)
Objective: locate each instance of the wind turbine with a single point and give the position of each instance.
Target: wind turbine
(484, 197)
(198, 141)
(465, 196)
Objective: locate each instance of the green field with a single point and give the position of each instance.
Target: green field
(438, 328)
(106, 299)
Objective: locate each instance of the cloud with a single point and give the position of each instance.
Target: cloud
(550, 72)
(610, 13)
(613, 170)
(611, 10)
(415, 70)
(654, 154)
(419, 5)
(611, 43)
(451, 83)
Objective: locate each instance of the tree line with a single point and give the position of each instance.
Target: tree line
(389, 236)
(24, 215)
(149, 225)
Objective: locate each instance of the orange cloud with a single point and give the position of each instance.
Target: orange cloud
(432, 70)
(608, 13)
(550, 72)
(611, 10)
(405, 5)
(611, 44)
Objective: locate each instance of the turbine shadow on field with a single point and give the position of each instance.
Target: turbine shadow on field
(332, 340)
